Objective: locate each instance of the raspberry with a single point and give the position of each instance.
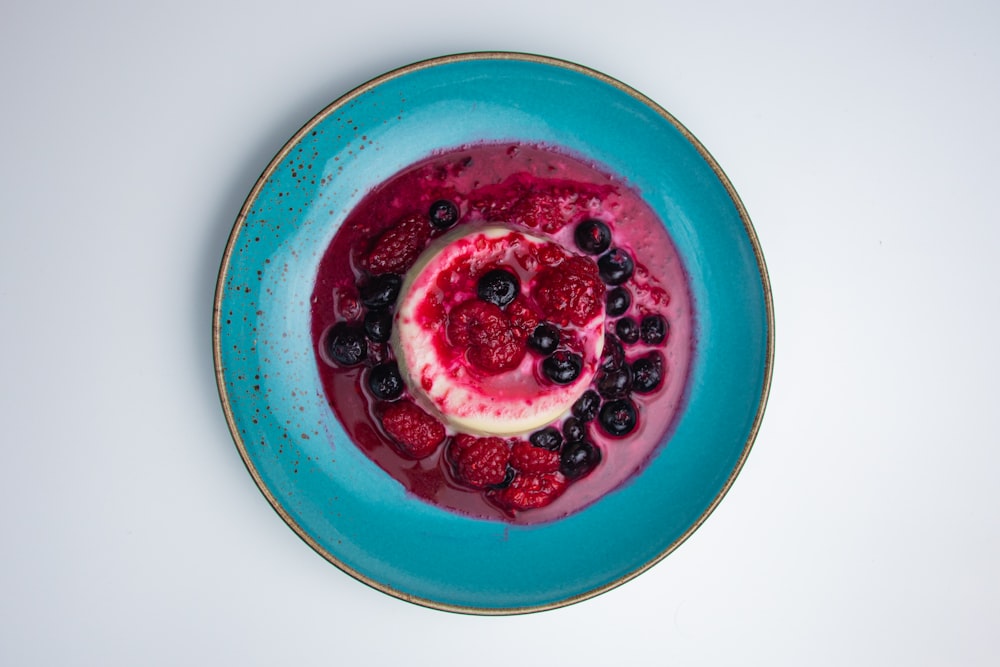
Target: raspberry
(503, 354)
(417, 433)
(543, 210)
(395, 249)
(523, 318)
(571, 292)
(475, 322)
(531, 459)
(529, 491)
(547, 205)
(492, 343)
(479, 462)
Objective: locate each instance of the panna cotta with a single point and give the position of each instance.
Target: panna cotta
(469, 359)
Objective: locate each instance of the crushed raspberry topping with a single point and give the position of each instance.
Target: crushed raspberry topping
(493, 343)
(523, 318)
(417, 433)
(395, 249)
(548, 206)
(570, 292)
(479, 462)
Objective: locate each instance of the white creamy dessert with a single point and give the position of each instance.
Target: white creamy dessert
(438, 371)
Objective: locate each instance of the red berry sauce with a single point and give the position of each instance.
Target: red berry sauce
(547, 193)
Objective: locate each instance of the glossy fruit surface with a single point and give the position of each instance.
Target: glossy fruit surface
(443, 214)
(479, 462)
(614, 382)
(618, 418)
(346, 344)
(579, 458)
(616, 266)
(498, 286)
(547, 438)
(385, 382)
(381, 291)
(627, 330)
(653, 329)
(378, 325)
(544, 339)
(585, 408)
(562, 367)
(647, 373)
(618, 301)
(415, 432)
(571, 292)
(395, 249)
(592, 237)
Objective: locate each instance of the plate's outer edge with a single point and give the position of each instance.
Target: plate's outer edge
(226, 399)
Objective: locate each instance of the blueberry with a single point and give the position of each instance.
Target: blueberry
(647, 373)
(544, 339)
(385, 381)
(574, 429)
(592, 237)
(618, 301)
(614, 382)
(653, 329)
(378, 325)
(381, 291)
(562, 367)
(548, 438)
(585, 407)
(627, 330)
(443, 214)
(613, 355)
(618, 418)
(507, 479)
(498, 286)
(346, 344)
(615, 267)
(578, 458)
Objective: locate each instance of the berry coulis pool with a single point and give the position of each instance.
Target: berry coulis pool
(599, 257)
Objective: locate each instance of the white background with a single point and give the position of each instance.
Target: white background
(862, 138)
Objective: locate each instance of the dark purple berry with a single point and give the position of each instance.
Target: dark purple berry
(443, 214)
(562, 367)
(618, 418)
(627, 330)
(378, 325)
(578, 458)
(592, 237)
(548, 438)
(346, 344)
(574, 429)
(614, 382)
(380, 291)
(585, 408)
(613, 355)
(653, 329)
(507, 479)
(498, 286)
(544, 339)
(385, 381)
(618, 301)
(647, 373)
(615, 267)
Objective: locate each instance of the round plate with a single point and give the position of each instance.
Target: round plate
(338, 500)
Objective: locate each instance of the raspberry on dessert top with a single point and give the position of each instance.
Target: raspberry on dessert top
(498, 331)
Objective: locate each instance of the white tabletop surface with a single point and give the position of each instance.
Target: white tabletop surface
(863, 140)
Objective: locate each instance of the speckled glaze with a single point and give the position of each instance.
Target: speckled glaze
(338, 500)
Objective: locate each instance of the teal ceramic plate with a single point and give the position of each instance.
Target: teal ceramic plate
(328, 491)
